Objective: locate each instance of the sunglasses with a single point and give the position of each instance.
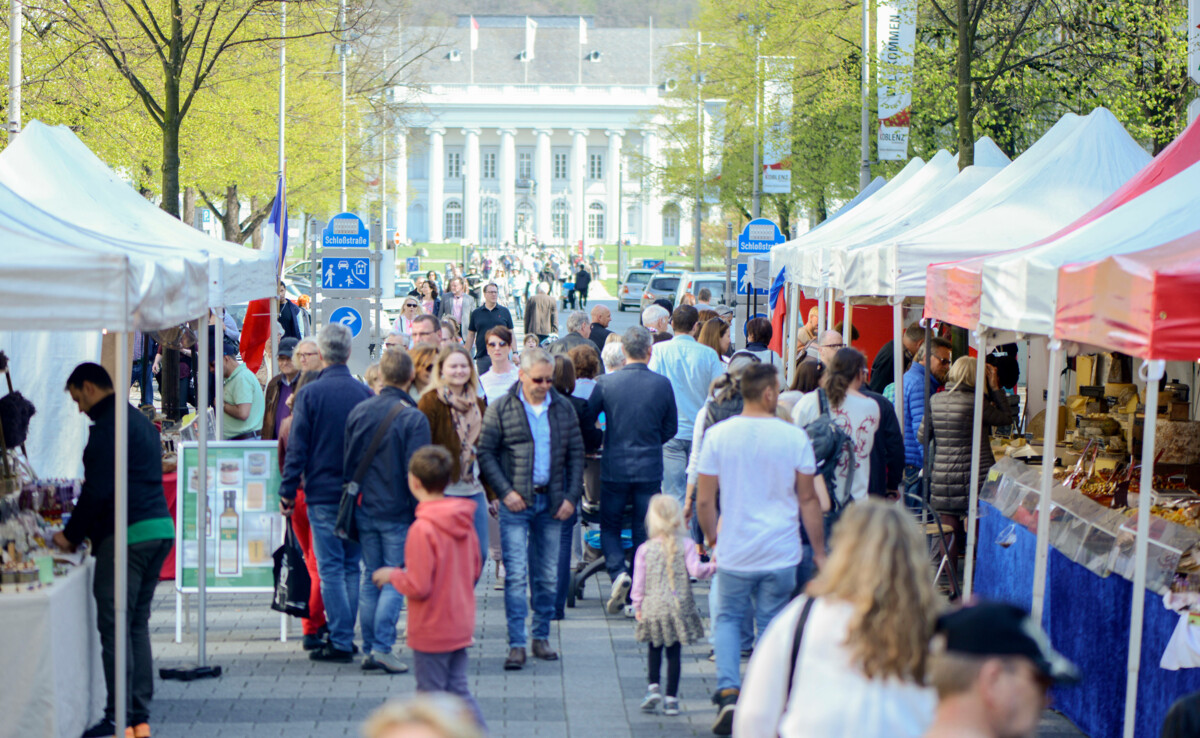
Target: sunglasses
(410, 305)
(493, 344)
(542, 380)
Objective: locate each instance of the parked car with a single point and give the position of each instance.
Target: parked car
(661, 286)
(693, 282)
(629, 293)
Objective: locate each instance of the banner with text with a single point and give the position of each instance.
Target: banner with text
(895, 39)
(777, 115)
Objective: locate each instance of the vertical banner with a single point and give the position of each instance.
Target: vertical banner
(895, 37)
(777, 115)
(1194, 40)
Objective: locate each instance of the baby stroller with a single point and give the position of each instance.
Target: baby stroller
(592, 560)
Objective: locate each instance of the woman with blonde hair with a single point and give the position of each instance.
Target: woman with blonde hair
(951, 417)
(438, 715)
(455, 411)
(863, 629)
(423, 355)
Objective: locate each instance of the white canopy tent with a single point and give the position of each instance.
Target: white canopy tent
(872, 187)
(1058, 179)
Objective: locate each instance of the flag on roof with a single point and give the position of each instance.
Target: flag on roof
(474, 34)
(530, 33)
(582, 31)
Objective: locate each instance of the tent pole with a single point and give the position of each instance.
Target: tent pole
(976, 461)
(219, 372)
(820, 313)
(927, 421)
(273, 343)
(202, 354)
(847, 323)
(898, 357)
(789, 342)
(831, 309)
(121, 527)
(1152, 372)
(1049, 444)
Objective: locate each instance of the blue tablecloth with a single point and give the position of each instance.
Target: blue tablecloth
(1087, 619)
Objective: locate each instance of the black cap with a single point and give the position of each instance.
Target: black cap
(287, 347)
(999, 629)
(231, 347)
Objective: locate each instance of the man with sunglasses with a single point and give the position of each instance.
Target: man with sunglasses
(484, 318)
(915, 381)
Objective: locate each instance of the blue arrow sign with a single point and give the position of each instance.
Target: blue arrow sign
(348, 317)
(759, 237)
(744, 280)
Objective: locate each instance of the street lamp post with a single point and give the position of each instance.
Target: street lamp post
(864, 174)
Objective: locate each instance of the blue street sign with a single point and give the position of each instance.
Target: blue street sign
(743, 281)
(345, 230)
(746, 325)
(656, 264)
(413, 264)
(346, 273)
(348, 317)
(759, 237)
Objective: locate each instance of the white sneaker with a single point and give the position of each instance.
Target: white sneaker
(620, 590)
(670, 706)
(652, 699)
(390, 663)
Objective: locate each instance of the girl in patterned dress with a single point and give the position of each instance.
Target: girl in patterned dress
(666, 614)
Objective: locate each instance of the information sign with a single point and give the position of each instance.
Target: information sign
(348, 317)
(655, 264)
(345, 230)
(759, 237)
(242, 526)
(744, 279)
(412, 264)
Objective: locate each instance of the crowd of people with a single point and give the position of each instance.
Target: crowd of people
(461, 448)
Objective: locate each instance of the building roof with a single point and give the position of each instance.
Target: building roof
(626, 56)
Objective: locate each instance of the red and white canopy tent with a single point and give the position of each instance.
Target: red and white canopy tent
(1142, 304)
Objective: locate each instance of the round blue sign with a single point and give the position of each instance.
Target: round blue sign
(348, 317)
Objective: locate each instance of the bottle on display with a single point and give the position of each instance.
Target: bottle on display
(227, 543)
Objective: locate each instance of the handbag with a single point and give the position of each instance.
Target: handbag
(292, 583)
(345, 527)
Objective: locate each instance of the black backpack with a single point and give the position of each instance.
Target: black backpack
(829, 442)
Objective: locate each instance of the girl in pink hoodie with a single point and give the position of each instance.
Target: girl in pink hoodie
(441, 565)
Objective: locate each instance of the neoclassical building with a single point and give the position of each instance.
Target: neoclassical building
(506, 148)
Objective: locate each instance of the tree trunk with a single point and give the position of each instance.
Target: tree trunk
(255, 233)
(189, 206)
(231, 219)
(962, 68)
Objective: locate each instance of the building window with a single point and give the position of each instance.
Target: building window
(453, 165)
(560, 165)
(670, 225)
(560, 219)
(595, 221)
(525, 165)
(488, 171)
(490, 221)
(596, 166)
(454, 220)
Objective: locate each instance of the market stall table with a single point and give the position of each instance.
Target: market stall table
(50, 659)
(1087, 620)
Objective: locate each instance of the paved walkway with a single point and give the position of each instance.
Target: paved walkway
(270, 688)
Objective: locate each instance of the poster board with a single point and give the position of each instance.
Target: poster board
(243, 526)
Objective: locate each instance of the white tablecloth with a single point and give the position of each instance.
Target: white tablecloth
(51, 673)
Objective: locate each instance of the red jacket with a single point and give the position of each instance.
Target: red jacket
(441, 565)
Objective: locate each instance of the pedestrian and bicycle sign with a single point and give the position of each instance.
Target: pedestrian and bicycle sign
(744, 279)
(348, 317)
(759, 237)
(346, 273)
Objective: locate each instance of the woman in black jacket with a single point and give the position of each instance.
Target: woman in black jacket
(953, 413)
(564, 383)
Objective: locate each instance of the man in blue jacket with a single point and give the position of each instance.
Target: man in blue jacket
(315, 454)
(640, 416)
(915, 381)
(388, 507)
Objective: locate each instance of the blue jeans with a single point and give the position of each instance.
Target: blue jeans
(529, 542)
(675, 460)
(769, 591)
(566, 536)
(614, 498)
(338, 565)
(714, 606)
(379, 607)
(481, 524)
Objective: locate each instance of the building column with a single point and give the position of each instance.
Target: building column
(437, 184)
(400, 201)
(471, 162)
(613, 187)
(508, 184)
(542, 183)
(578, 184)
(651, 197)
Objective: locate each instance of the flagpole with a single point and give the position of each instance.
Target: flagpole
(281, 227)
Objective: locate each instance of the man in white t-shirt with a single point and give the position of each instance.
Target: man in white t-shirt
(764, 469)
